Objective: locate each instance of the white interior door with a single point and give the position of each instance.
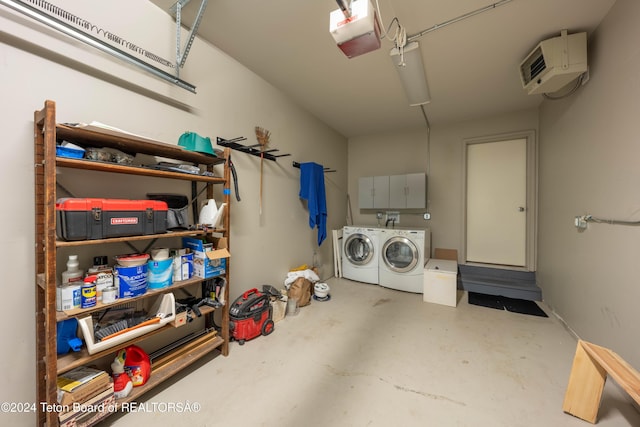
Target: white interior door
(496, 218)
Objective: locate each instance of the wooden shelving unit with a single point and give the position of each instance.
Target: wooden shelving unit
(48, 364)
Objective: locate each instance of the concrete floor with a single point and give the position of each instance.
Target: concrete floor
(377, 357)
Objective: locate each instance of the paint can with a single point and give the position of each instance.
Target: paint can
(88, 292)
(131, 281)
(109, 295)
(159, 273)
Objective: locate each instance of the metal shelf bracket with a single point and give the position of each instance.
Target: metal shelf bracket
(176, 10)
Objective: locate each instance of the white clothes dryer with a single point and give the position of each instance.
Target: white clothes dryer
(403, 255)
(360, 254)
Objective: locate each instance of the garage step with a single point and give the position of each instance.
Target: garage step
(498, 281)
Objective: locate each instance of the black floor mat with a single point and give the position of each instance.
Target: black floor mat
(491, 301)
(504, 303)
(523, 306)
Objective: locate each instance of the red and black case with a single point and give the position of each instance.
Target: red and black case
(250, 316)
(86, 218)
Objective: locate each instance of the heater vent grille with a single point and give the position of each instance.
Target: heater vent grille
(533, 66)
(537, 66)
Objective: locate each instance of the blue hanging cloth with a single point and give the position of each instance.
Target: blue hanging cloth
(312, 190)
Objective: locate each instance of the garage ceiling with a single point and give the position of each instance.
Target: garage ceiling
(471, 65)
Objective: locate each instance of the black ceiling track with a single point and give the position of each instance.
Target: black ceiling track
(250, 149)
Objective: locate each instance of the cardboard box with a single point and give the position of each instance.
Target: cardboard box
(180, 320)
(449, 254)
(182, 265)
(80, 384)
(278, 308)
(209, 258)
(90, 412)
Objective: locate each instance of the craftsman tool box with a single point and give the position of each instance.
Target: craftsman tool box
(84, 219)
(250, 316)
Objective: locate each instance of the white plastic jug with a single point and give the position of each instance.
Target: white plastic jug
(209, 212)
(217, 221)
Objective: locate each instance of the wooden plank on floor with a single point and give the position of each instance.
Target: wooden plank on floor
(586, 382)
(591, 365)
(624, 374)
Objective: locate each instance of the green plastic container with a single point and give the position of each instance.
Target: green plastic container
(193, 142)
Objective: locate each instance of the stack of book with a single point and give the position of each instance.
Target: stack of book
(85, 395)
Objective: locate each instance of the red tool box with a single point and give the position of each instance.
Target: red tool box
(83, 219)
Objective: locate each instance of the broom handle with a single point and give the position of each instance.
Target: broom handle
(261, 161)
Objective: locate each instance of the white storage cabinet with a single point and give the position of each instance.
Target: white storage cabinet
(441, 282)
(373, 192)
(408, 191)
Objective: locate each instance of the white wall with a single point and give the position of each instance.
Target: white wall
(230, 102)
(589, 154)
(407, 152)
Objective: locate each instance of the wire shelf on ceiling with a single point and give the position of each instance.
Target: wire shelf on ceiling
(250, 149)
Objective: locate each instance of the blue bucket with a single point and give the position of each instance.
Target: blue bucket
(159, 273)
(131, 281)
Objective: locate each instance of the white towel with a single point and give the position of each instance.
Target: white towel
(293, 275)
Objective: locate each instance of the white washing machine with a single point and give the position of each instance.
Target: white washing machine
(360, 254)
(403, 255)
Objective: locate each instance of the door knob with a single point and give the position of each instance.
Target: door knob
(520, 209)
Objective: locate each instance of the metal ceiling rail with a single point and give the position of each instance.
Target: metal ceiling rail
(67, 29)
(177, 10)
(457, 19)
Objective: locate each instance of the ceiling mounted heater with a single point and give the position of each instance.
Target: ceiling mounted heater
(356, 30)
(411, 71)
(554, 63)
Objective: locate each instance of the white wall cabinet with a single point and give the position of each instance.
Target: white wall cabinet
(408, 191)
(373, 192)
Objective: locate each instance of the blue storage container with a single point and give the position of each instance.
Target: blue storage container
(71, 153)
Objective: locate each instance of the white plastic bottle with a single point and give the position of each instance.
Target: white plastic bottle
(73, 272)
(72, 280)
(208, 213)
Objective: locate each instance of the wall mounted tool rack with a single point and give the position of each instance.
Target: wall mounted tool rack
(249, 149)
(326, 170)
